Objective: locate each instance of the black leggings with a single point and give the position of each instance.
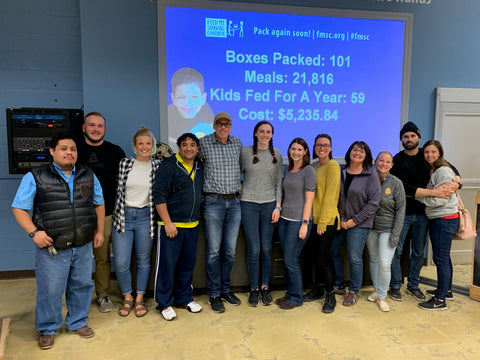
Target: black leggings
(318, 253)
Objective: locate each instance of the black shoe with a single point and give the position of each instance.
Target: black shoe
(433, 304)
(217, 304)
(417, 294)
(230, 298)
(253, 298)
(330, 303)
(434, 293)
(266, 297)
(315, 293)
(340, 289)
(395, 294)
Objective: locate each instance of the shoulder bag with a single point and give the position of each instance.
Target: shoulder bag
(465, 229)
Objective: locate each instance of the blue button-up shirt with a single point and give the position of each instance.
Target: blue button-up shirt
(28, 189)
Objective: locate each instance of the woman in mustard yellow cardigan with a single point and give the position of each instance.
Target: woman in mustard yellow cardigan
(325, 222)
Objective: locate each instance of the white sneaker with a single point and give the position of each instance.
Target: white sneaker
(383, 305)
(168, 313)
(194, 307)
(372, 297)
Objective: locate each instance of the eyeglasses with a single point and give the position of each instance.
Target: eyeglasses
(358, 150)
(225, 125)
(322, 146)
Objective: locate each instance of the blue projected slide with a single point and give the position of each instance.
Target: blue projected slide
(305, 74)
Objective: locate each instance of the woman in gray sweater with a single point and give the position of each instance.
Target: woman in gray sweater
(358, 202)
(261, 165)
(443, 220)
(387, 226)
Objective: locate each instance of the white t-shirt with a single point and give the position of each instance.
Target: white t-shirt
(137, 188)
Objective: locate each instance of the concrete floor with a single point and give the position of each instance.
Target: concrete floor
(242, 332)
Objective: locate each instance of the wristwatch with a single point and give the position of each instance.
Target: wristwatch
(305, 222)
(460, 185)
(32, 234)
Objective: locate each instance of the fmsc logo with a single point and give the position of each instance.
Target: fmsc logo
(222, 28)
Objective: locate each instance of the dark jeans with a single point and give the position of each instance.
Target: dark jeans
(317, 251)
(292, 246)
(441, 234)
(222, 218)
(419, 227)
(258, 228)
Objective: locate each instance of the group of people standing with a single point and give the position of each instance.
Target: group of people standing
(324, 206)
(410, 193)
(321, 206)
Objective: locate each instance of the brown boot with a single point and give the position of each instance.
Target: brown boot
(85, 332)
(46, 341)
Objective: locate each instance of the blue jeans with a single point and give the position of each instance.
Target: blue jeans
(222, 218)
(70, 272)
(175, 263)
(137, 233)
(355, 238)
(381, 255)
(419, 227)
(292, 246)
(441, 234)
(258, 228)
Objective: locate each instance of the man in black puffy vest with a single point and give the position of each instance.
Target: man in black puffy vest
(68, 215)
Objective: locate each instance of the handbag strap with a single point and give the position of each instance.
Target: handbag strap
(460, 205)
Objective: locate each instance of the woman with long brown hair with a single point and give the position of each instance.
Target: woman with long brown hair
(442, 215)
(295, 218)
(261, 198)
(326, 221)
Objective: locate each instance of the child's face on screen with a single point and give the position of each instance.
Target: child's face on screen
(189, 100)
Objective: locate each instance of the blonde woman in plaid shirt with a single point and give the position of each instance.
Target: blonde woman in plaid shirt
(134, 220)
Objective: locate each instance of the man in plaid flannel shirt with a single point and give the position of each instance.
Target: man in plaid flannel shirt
(220, 153)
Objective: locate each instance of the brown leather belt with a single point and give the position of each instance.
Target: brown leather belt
(223, 196)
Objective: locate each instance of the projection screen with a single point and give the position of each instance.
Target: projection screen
(305, 70)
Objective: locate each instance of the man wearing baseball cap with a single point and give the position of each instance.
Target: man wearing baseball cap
(220, 153)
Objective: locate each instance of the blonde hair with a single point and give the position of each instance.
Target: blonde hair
(144, 132)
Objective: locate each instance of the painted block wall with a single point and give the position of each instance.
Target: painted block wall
(40, 66)
(108, 49)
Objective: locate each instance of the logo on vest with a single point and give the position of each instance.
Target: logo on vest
(85, 191)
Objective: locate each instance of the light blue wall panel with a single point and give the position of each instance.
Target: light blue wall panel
(120, 78)
(40, 66)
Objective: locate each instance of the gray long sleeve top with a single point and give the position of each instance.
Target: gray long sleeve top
(391, 211)
(436, 207)
(262, 181)
(362, 199)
